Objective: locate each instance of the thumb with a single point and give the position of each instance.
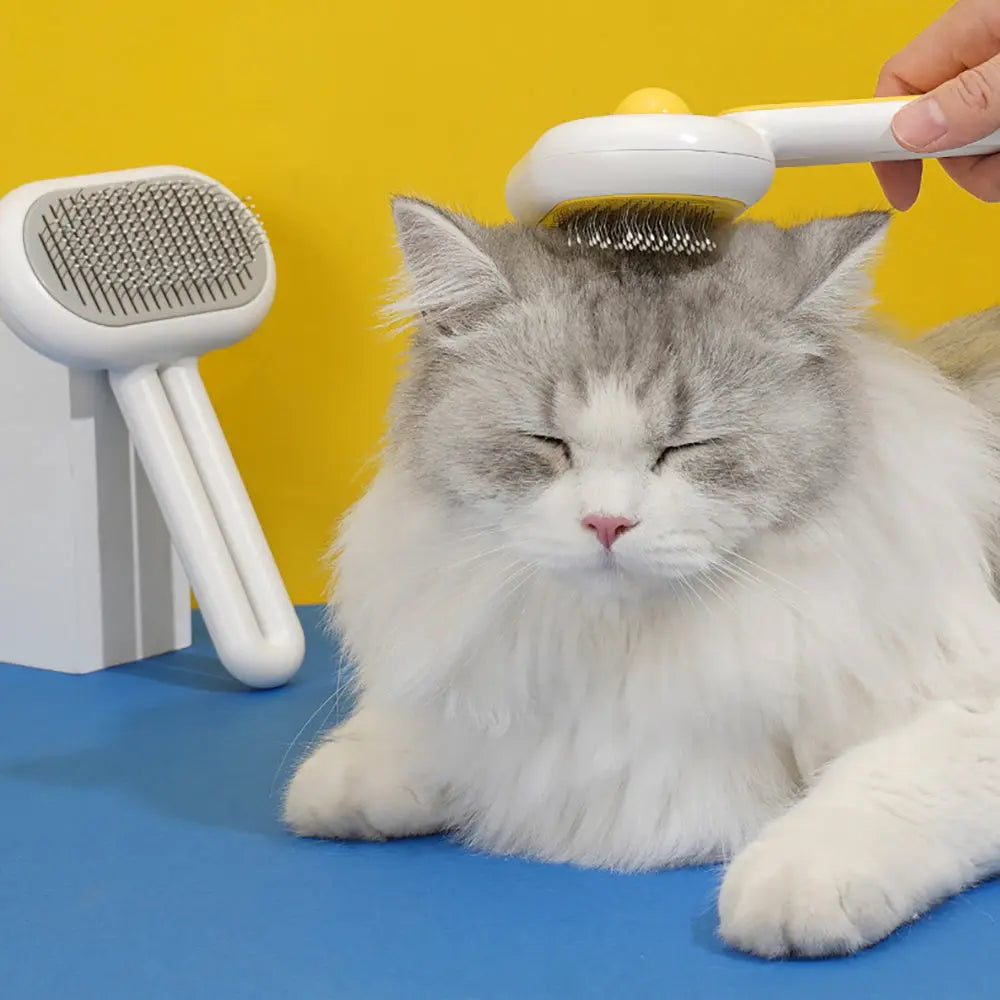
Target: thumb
(960, 111)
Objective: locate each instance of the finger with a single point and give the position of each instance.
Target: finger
(900, 182)
(891, 85)
(979, 175)
(965, 35)
(958, 112)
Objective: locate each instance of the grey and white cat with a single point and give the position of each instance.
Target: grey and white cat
(669, 563)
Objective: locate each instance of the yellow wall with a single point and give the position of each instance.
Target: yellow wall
(320, 110)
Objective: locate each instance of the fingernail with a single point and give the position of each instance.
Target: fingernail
(919, 124)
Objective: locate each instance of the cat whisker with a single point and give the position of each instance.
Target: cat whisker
(518, 573)
(475, 557)
(693, 591)
(734, 554)
(714, 589)
(481, 531)
(739, 576)
(295, 739)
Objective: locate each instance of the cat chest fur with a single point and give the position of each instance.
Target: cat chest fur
(632, 737)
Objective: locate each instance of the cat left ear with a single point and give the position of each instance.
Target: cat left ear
(452, 282)
(835, 255)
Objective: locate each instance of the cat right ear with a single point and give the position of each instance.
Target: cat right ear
(833, 256)
(450, 280)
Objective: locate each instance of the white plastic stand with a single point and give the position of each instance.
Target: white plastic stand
(88, 576)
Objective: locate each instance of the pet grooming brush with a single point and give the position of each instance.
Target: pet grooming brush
(654, 177)
(140, 272)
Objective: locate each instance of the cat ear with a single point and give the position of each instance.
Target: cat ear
(832, 259)
(451, 281)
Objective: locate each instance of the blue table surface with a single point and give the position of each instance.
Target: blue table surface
(141, 857)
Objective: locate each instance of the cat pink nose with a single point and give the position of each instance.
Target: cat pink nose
(608, 529)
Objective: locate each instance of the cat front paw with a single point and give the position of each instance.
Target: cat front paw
(350, 790)
(809, 893)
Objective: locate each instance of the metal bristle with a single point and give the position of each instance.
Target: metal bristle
(141, 249)
(647, 226)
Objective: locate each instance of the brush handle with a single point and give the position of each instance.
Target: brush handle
(212, 523)
(802, 135)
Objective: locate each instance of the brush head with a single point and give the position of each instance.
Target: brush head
(127, 253)
(650, 178)
(131, 267)
(651, 225)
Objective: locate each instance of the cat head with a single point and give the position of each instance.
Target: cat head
(629, 416)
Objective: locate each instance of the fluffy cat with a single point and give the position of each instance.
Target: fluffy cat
(672, 562)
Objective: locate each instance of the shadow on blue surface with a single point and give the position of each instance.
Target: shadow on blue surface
(143, 857)
(198, 755)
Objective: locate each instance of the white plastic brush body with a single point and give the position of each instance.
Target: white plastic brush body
(849, 132)
(139, 273)
(653, 176)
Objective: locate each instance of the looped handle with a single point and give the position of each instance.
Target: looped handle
(212, 523)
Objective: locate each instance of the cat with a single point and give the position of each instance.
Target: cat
(674, 562)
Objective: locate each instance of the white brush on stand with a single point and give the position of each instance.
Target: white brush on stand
(138, 273)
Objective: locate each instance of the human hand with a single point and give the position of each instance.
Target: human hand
(955, 61)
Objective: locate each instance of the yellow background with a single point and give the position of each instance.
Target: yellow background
(320, 110)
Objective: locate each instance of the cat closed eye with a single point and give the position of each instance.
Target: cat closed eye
(673, 449)
(554, 442)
